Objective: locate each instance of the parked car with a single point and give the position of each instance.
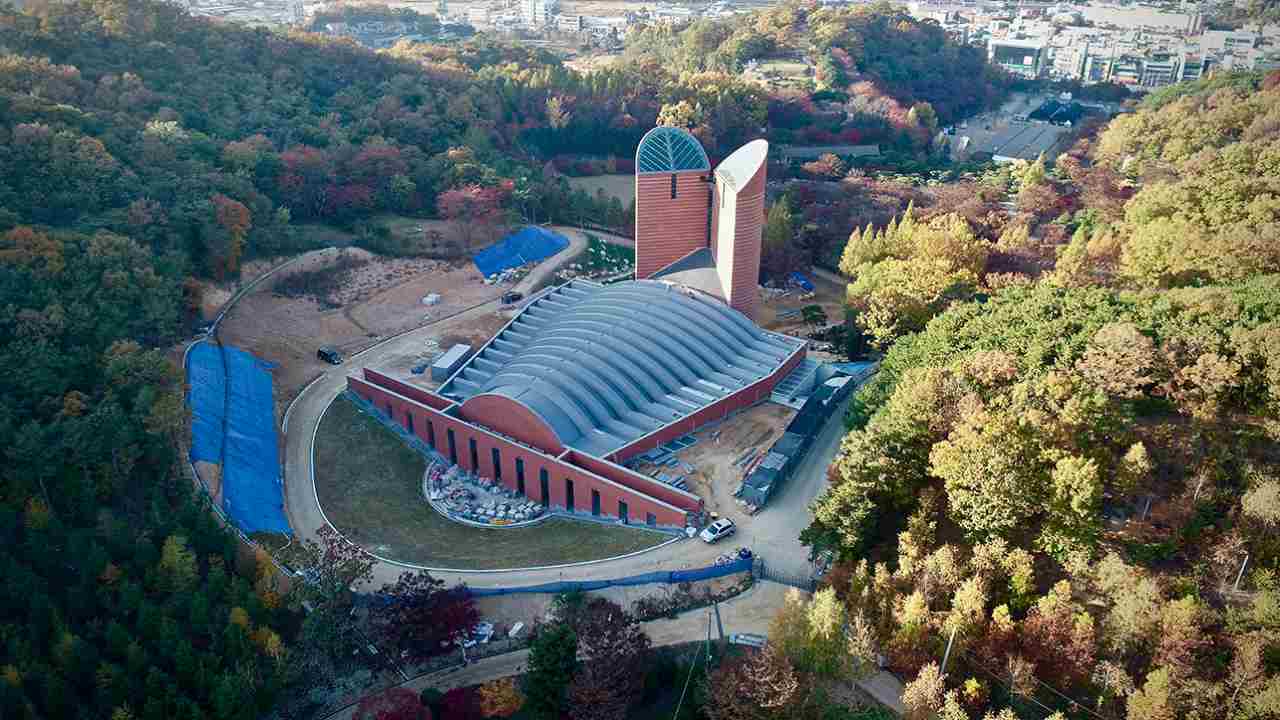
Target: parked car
(480, 633)
(331, 355)
(512, 297)
(721, 528)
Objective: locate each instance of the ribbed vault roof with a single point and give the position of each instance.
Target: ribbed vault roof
(605, 365)
(668, 149)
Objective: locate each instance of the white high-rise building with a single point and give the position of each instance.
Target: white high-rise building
(538, 13)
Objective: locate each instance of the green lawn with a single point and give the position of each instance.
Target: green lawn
(368, 483)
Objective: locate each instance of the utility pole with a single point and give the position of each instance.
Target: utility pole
(1240, 574)
(708, 642)
(947, 655)
(719, 623)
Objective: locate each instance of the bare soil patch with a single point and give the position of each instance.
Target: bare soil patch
(828, 294)
(372, 297)
(715, 478)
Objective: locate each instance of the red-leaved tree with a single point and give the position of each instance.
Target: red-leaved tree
(613, 650)
(473, 210)
(395, 703)
(419, 616)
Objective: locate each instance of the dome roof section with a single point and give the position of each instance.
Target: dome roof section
(603, 366)
(668, 149)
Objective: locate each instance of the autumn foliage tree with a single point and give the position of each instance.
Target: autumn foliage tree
(394, 703)
(500, 698)
(613, 651)
(472, 210)
(226, 245)
(759, 685)
(419, 616)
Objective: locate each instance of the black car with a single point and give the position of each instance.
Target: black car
(331, 355)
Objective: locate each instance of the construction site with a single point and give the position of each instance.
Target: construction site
(591, 417)
(655, 401)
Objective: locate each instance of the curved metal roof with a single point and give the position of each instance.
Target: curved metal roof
(605, 365)
(669, 149)
(743, 164)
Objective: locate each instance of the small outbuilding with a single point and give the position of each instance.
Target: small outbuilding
(448, 363)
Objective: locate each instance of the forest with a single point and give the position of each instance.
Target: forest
(1068, 461)
(142, 148)
(881, 76)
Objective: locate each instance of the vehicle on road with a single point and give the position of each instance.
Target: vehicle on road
(480, 633)
(330, 354)
(512, 297)
(721, 528)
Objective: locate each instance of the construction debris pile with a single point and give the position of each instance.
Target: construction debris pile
(462, 496)
(510, 276)
(664, 464)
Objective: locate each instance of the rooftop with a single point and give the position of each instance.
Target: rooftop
(604, 365)
(696, 270)
(743, 164)
(668, 149)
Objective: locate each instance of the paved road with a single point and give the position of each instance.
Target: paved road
(775, 530)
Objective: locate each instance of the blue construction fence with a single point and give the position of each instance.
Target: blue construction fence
(233, 423)
(672, 577)
(531, 244)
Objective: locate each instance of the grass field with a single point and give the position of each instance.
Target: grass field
(622, 187)
(368, 484)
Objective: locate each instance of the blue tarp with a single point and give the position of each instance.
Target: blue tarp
(233, 412)
(529, 245)
(805, 284)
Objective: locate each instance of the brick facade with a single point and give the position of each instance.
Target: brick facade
(669, 228)
(595, 482)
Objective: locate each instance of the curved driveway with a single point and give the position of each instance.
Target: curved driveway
(778, 526)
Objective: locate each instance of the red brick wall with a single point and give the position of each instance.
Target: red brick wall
(748, 232)
(639, 503)
(512, 419)
(744, 398)
(667, 229)
(422, 395)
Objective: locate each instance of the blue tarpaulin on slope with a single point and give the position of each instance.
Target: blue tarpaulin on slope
(529, 245)
(239, 402)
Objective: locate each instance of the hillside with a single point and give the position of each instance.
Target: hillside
(879, 75)
(1074, 443)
